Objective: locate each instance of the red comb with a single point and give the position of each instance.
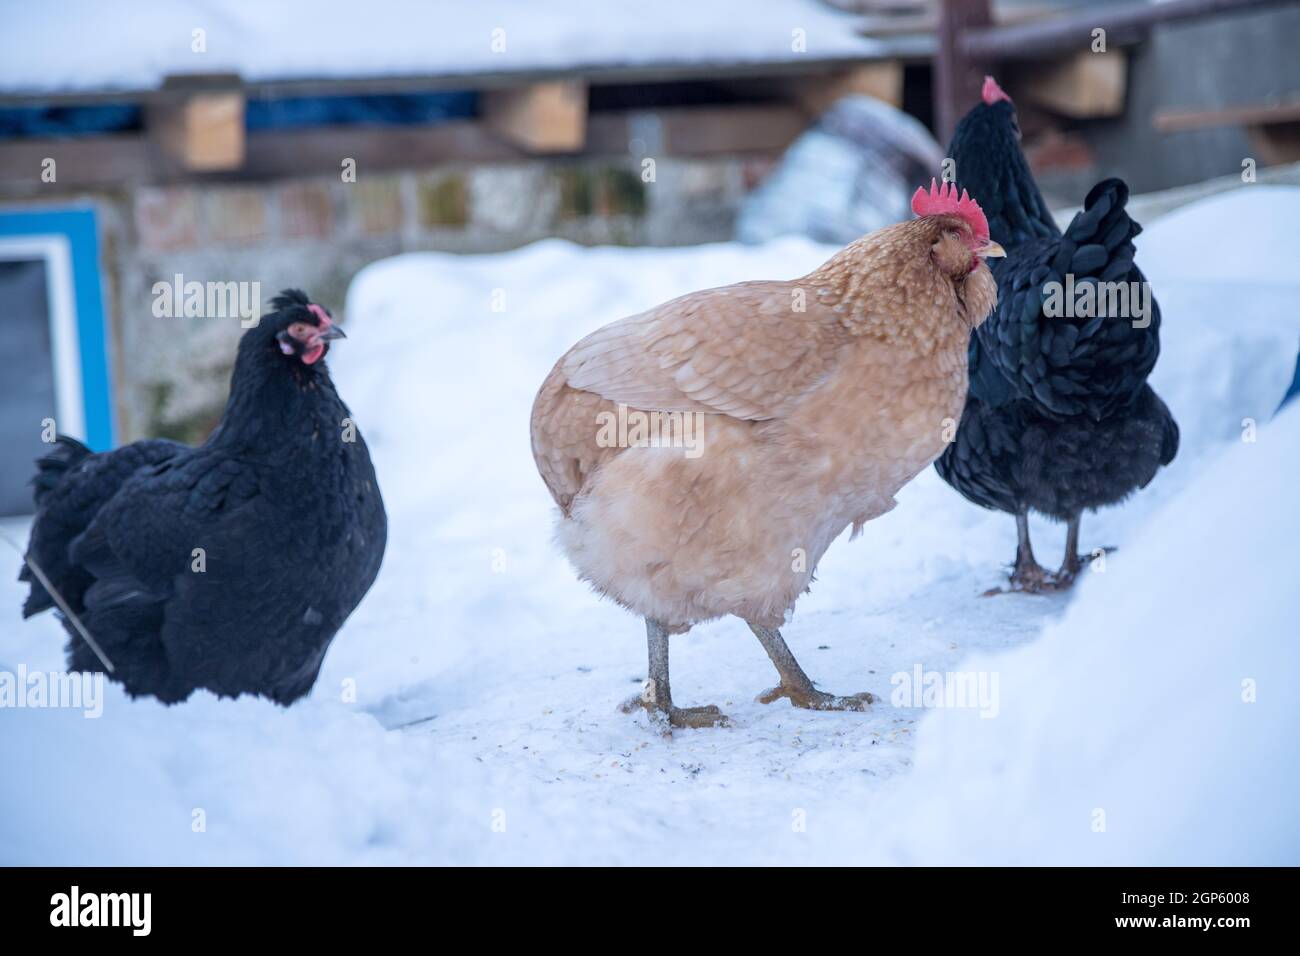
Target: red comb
(943, 201)
(992, 92)
(317, 311)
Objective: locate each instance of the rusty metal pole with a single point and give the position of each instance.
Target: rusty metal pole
(956, 77)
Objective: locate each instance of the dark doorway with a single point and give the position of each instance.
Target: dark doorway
(27, 383)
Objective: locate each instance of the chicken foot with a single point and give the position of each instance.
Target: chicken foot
(657, 697)
(795, 684)
(1028, 575)
(1073, 562)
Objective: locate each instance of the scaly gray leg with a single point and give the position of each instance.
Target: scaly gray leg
(657, 696)
(1073, 562)
(1028, 575)
(795, 684)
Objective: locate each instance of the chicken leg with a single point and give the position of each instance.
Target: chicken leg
(1073, 562)
(1028, 575)
(795, 684)
(657, 697)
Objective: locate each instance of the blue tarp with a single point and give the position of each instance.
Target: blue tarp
(405, 109)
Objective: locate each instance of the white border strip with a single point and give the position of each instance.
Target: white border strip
(56, 251)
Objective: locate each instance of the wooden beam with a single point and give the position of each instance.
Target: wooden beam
(114, 160)
(1073, 31)
(956, 77)
(1272, 128)
(1263, 114)
(287, 153)
(548, 117)
(129, 159)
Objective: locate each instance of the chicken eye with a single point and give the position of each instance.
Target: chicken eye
(299, 330)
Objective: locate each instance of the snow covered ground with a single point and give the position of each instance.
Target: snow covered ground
(1147, 718)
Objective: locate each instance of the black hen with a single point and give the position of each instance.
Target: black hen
(229, 566)
(1059, 418)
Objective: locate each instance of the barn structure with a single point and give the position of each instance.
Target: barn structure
(291, 144)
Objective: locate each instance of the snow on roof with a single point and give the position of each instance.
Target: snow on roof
(84, 46)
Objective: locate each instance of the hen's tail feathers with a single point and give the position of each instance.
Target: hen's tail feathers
(50, 469)
(30, 568)
(66, 454)
(1169, 439)
(1105, 226)
(1093, 363)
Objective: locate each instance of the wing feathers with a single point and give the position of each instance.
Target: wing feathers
(740, 351)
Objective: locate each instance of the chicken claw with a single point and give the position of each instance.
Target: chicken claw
(816, 699)
(1028, 576)
(795, 684)
(679, 717)
(1031, 578)
(657, 697)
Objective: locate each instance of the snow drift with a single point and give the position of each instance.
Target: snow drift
(467, 712)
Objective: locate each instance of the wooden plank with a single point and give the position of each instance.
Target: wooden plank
(548, 117)
(1086, 85)
(321, 151)
(1262, 114)
(132, 158)
(114, 160)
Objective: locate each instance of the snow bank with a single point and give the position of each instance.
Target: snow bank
(467, 712)
(1240, 236)
(1223, 270)
(1155, 723)
(296, 39)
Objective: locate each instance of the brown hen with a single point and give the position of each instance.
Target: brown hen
(705, 454)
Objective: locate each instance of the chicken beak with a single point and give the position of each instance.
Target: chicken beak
(330, 332)
(992, 251)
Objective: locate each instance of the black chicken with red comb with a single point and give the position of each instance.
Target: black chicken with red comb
(1059, 418)
(229, 566)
